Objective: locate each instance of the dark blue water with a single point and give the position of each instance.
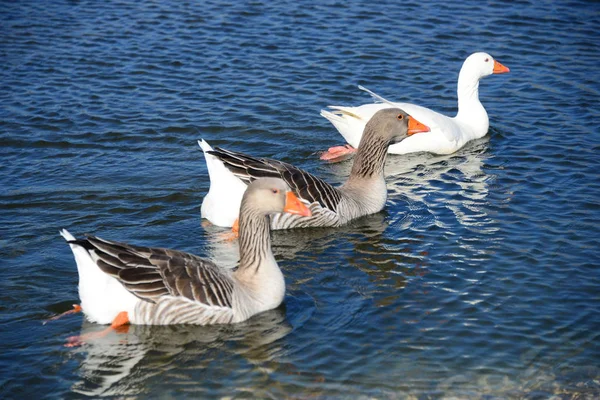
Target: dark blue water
(479, 280)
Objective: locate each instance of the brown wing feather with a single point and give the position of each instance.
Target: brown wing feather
(149, 273)
(304, 185)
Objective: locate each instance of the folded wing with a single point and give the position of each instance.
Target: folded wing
(151, 273)
(306, 186)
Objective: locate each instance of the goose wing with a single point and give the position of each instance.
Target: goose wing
(151, 273)
(306, 186)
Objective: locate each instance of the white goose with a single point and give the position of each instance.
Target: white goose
(447, 134)
(363, 193)
(122, 284)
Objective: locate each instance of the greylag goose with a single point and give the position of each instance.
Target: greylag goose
(363, 193)
(121, 283)
(447, 134)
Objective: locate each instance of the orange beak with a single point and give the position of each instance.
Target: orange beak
(293, 205)
(499, 68)
(414, 126)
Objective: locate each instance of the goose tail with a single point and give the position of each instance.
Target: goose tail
(101, 295)
(221, 205)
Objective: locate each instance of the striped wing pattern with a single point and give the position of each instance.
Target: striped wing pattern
(321, 216)
(151, 273)
(179, 310)
(306, 186)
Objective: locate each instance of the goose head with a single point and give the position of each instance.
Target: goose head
(395, 125)
(479, 65)
(272, 195)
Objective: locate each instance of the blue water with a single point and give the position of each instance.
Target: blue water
(480, 279)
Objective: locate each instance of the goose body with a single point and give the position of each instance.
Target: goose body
(363, 193)
(447, 134)
(156, 286)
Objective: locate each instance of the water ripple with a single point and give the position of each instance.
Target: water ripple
(479, 280)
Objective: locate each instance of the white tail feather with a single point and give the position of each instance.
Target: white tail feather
(221, 205)
(375, 96)
(102, 296)
(204, 145)
(332, 117)
(349, 124)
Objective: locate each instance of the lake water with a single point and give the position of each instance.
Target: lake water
(480, 279)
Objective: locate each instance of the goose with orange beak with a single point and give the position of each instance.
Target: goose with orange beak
(364, 192)
(446, 135)
(121, 284)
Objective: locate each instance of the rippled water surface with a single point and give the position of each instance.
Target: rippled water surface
(479, 279)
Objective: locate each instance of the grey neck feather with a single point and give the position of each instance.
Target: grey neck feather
(370, 157)
(254, 239)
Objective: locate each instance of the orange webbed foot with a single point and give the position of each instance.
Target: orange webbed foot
(120, 325)
(75, 310)
(234, 233)
(338, 153)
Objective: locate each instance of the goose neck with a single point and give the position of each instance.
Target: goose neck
(254, 240)
(370, 157)
(467, 90)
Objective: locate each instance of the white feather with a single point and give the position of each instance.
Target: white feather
(447, 134)
(221, 205)
(102, 296)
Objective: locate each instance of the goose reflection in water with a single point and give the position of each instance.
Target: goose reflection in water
(121, 364)
(428, 182)
(371, 258)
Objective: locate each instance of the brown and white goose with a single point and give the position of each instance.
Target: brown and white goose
(363, 193)
(122, 283)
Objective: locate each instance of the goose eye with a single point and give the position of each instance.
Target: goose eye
(400, 117)
(487, 59)
(275, 191)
